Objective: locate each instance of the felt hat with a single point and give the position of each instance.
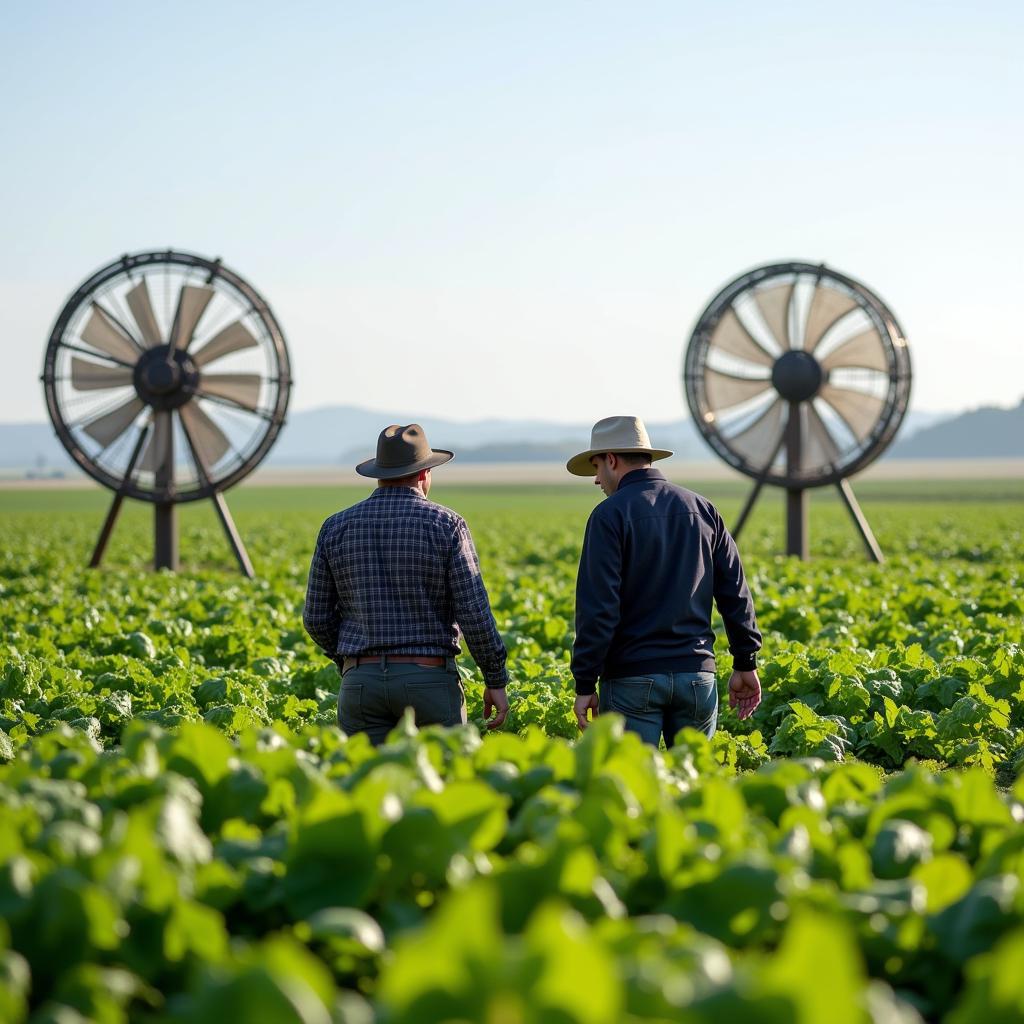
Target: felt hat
(402, 451)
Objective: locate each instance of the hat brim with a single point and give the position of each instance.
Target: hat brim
(370, 468)
(580, 465)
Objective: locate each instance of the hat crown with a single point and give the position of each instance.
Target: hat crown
(400, 445)
(619, 433)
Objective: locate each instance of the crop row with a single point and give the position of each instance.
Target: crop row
(311, 878)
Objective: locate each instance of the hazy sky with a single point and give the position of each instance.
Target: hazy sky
(519, 209)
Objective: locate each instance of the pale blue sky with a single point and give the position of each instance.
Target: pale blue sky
(519, 209)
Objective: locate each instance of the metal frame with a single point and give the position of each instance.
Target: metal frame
(793, 479)
(166, 497)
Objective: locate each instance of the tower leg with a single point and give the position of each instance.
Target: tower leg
(108, 529)
(234, 539)
(115, 506)
(860, 521)
(165, 536)
(748, 507)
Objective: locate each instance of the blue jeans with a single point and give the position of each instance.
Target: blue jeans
(662, 703)
(373, 700)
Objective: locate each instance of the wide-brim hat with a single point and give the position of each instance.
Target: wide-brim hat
(402, 451)
(624, 435)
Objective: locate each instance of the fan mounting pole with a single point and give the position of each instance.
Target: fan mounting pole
(796, 497)
(165, 524)
(165, 516)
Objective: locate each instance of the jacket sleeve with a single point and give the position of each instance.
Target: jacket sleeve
(473, 609)
(320, 613)
(732, 595)
(597, 599)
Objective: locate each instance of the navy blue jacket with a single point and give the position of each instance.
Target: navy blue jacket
(654, 557)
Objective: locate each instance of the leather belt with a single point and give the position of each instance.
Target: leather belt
(426, 660)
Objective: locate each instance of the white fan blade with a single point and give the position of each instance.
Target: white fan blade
(732, 337)
(820, 448)
(774, 306)
(209, 441)
(758, 442)
(240, 388)
(828, 307)
(106, 429)
(859, 410)
(142, 310)
(192, 303)
(104, 335)
(862, 350)
(159, 447)
(87, 376)
(233, 338)
(724, 390)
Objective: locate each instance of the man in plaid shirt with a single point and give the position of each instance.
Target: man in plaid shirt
(392, 580)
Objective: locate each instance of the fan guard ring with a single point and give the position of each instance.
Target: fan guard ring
(748, 367)
(134, 382)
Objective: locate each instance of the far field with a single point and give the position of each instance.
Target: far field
(187, 836)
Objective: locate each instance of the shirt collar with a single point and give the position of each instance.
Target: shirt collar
(396, 492)
(640, 476)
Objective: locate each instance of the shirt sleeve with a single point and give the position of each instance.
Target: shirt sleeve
(732, 595)
(473, 609)
(598, 609)
(320, 613)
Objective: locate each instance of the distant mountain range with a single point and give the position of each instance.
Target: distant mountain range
(343, 435)
(982, 433)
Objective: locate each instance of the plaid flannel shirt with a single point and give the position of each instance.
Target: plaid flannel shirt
(398, 574)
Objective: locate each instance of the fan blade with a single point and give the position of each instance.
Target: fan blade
(774, 306)
(142, 310)
(758, 441)
(208, 440)
(859, 410)
(820, 448)
(104, 335)
(160, 447)
(233, 338)
(865, 350)
(106, 429)
(240, 388)
(192, 303)
(828, 307)
(724, 390)
(732, 337)
(87, 376)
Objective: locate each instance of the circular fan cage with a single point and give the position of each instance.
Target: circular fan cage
(797, 339)
(166, 377)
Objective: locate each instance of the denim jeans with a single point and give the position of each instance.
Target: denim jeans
(373, 699)
(662, 703)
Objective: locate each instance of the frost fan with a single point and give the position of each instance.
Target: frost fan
(167, 380)
(798, 376)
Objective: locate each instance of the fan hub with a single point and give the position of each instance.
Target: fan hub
(797, 376)
(165, 379)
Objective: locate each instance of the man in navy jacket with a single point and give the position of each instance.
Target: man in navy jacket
(655, 556)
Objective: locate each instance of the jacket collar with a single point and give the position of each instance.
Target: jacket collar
(640, 476)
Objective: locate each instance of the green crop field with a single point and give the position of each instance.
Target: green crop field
(185, 835)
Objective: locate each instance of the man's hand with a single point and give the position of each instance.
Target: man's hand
(744, 693)
(583, 702)
(495, 700)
